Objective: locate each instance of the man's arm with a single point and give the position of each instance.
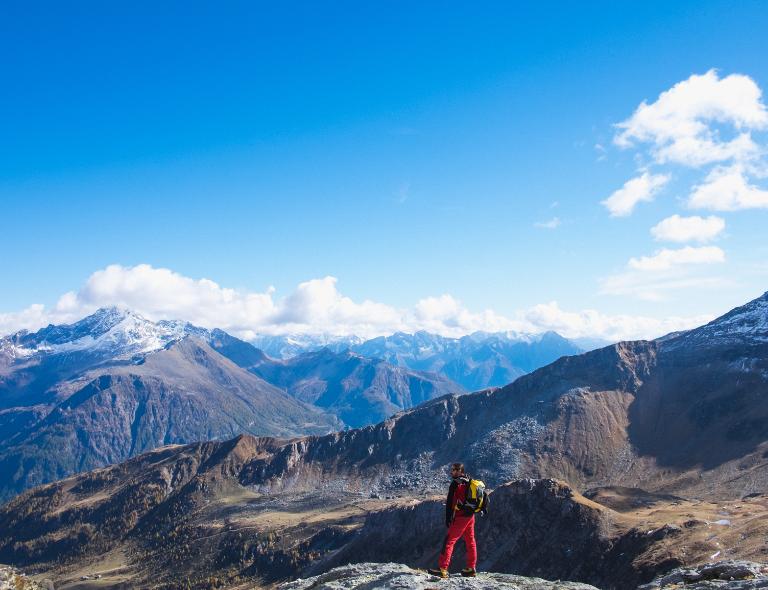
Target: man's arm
(449, 504)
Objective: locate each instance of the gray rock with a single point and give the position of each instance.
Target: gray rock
(11, 579)
(373, 576)
(725, 575)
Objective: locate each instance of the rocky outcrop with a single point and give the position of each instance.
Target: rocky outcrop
(723, 575)
(387, 576)
(11, 579)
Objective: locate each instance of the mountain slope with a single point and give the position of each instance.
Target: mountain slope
(682, 413)
(183, 393)
(183, 513)
(358, 390)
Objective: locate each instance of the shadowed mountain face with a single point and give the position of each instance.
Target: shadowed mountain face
(358, 390)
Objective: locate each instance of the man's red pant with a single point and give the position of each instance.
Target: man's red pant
(462, 526)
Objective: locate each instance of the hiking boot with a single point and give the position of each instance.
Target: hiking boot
(469, 572)
(439, 572)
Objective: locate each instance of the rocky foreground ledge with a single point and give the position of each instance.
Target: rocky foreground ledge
(722, 575)
(397, 576)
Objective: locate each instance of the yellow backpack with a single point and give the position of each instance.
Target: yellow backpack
(476, 498)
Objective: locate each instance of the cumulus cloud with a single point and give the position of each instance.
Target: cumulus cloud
(316, 306)
(727, 189)
(642, 188)
(684, 124)
(688, 229)
(665, 258)
(715, 126)
(553, 223)
(610, 327)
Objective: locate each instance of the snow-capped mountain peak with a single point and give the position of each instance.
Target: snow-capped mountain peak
(745, 324)
(113, 331)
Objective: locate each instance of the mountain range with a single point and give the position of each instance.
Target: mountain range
(357, 389)
(81, 396)
(678, 425)
(475, 361)
(687, 413)
(116, 384)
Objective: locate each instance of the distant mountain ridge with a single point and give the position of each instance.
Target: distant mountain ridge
(475, 361)
(357, 389)
(286, 346)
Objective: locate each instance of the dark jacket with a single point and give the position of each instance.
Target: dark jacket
(457, 493)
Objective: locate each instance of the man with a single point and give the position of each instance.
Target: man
(460, 521)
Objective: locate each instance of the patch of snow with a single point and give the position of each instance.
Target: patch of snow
(118, 333)
(746, 323)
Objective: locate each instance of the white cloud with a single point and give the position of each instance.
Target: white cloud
(727, 189)
(642, 188)
(665, 258)
(652, 278)
(553, 223)
(683, 124)
(657, 286)
(613, 328)
(687, 229)
(32, 318)
(315, 306)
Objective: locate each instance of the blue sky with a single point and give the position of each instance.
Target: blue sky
(414, 153)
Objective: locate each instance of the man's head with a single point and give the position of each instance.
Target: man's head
(457, 469)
